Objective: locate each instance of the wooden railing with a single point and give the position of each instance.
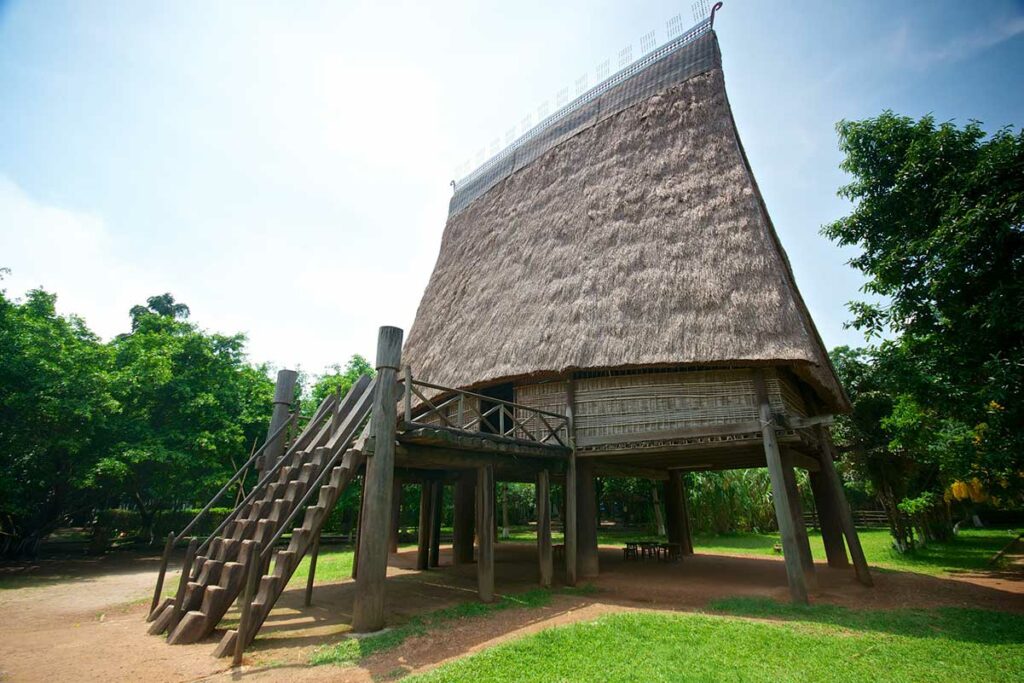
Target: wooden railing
(463, 411)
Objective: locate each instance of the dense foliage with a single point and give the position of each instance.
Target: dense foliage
(153, 421)
(938, 219)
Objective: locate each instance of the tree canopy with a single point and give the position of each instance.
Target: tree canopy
(938, 219)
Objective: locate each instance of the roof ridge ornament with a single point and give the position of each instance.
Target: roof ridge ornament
(717, 6)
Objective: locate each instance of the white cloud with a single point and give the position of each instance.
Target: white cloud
(72, 254)
(958, 47)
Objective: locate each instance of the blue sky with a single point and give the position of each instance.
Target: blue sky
(283, 167)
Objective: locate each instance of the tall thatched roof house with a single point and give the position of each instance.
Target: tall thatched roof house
(618, 264)
(610, 299)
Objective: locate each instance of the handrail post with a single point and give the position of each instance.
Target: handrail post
(314, 554)
(407, 391)
(284, 393)
(244, 625)
(163, 571)
(186, 574)
(462, 404)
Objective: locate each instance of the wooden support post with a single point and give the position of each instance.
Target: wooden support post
(569, 519)
(828, 521)
(313, 555)
(436, 510)
(796, 509)
(359, 530)
(586, 520)
(659, 519)
(164, 559)
(485, 532)
(423, 529)
(687, 520)
(544, 553)
(186, 576)
(284, 394)
(252, 577)
(835, 486)
(396, 515)
(462, 525)
(368, 611)
(674, 524)
(783, 510)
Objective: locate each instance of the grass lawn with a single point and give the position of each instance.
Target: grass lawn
(970, 550)
(817, 643)
(351, 650)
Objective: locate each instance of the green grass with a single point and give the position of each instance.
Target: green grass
(352, 650)
(333, 564)
(970, 550)
(806, 644)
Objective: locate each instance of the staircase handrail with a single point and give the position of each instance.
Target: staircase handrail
(237, 475)
(321, 414)
(351, 426)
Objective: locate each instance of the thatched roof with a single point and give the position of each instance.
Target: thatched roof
(639, 239)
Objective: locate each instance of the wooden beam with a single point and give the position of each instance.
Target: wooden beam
(783, 511)
(485, 532)
(750, 427)
(835, 486)
(477, 441)
(368, 610)
(462, 524)
(509, 466)
(544, 554)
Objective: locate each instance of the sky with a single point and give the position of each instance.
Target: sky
(283, 167)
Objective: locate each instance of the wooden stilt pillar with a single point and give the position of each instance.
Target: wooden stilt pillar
(799, 526)
(544, 554)
(687, 521)
(569, 519)
(783, 511)
(677, 514)
(464, 502)
(396, 515)
(673, 507)
(570, 526)
(485, 532)
(368, 610)
(586, 520)
(436, 501)
(423, 530)
(828, 521)
(835, 487)
(359, 531)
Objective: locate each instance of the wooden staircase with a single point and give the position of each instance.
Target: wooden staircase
(272, 584)
(323, 460)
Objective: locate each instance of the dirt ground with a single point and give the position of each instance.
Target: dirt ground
(84, 619)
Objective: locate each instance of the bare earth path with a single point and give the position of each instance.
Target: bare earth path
(84, 621)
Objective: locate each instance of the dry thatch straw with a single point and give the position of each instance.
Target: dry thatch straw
(639, 241)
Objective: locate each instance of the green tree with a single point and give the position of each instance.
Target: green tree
(190, 409)
(939, 220)
(56, 403)
(338, 379)
(162, 305)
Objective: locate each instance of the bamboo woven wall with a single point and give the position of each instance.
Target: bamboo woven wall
(639, 403)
